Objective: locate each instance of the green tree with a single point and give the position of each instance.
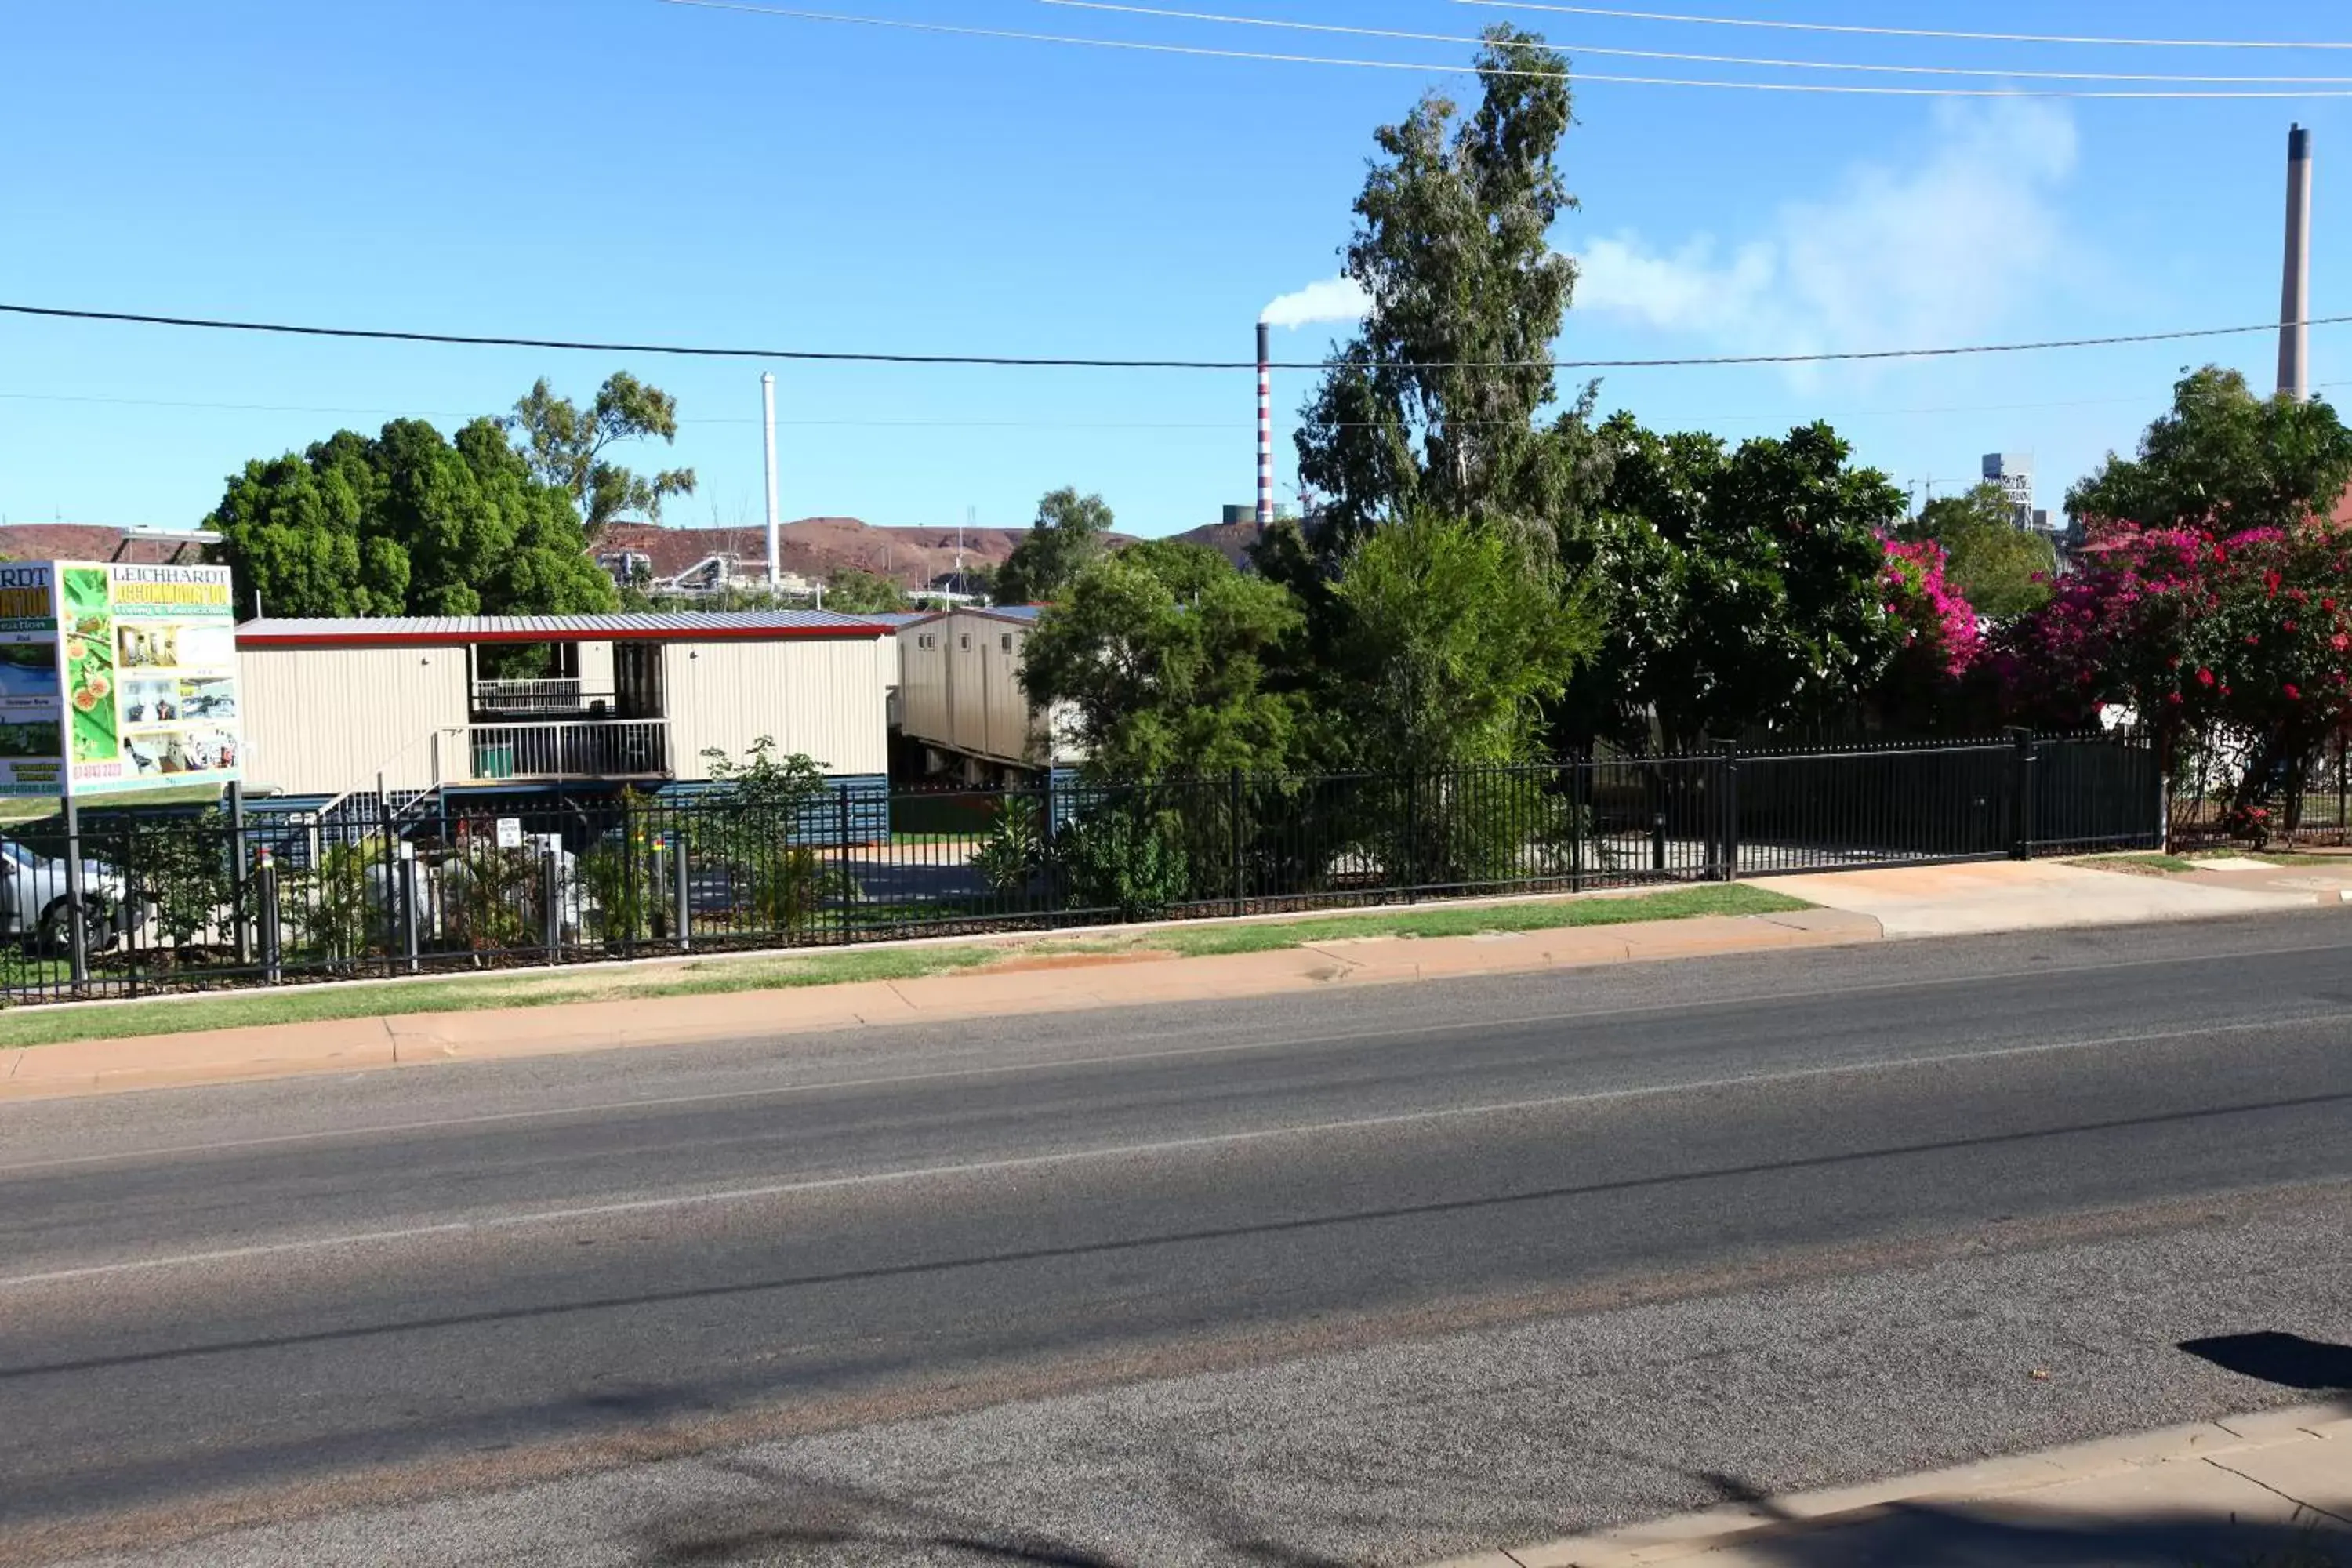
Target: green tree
(2220, 461)
(1158, 653)
(406, 523)
(857, 593)
(2002, 569)
(1449, 646)
(1740, 589)
(566, 444)
(1068, 534)
(1433, 405)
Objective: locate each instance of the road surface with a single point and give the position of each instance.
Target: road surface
(1366, 1276)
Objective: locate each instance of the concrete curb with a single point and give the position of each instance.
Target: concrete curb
(72, 1068)
(2252, 1466)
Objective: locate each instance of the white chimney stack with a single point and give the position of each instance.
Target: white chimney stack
(775, 531)
(2295, 298)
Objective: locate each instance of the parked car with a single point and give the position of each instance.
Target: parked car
(34, 900)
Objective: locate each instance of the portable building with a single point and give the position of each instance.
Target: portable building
(333, 705)
(959, 693)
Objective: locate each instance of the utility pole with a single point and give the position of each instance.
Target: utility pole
(775, 531)
(2294, 295)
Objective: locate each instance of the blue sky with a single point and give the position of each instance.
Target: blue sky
(626, 168)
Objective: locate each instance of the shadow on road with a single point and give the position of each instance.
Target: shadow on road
(1927, 1535)
(794, 1517)
(1933, 1535)
(2289, 1361)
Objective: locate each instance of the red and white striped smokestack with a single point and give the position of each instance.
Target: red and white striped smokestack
(1265, 426)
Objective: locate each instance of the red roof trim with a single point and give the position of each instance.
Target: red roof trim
(459, 640)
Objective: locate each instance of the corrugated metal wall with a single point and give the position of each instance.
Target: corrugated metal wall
(827, 698)
(923, 710)
(964, 693)
(322, 721)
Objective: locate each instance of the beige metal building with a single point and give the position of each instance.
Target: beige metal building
(960, 694)
(332, 705)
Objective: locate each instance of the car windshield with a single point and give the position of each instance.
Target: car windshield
(17, 852)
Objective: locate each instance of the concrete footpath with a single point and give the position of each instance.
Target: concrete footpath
(2272, 1491)
(1852, 907)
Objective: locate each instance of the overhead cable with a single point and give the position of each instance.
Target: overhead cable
(1198, 51)
(1865, 31)
(1057, 362)
(1574, 49)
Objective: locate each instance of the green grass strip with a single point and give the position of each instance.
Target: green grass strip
(545, 988)
(1682, 903)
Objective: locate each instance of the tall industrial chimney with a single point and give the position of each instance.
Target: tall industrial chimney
(2294, 298)
(1265, 426)
(775, 531)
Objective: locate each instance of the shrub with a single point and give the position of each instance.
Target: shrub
(758, 808)
(1126, 857)
(1013, 849)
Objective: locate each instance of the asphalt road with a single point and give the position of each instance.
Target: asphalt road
(1048, 1288)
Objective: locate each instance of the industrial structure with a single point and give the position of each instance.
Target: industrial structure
(2294, 295)
(1265, 426)
(2014, 472)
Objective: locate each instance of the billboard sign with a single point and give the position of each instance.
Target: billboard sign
(116, 677)
(32, 717)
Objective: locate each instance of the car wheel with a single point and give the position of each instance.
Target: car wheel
(56, 938)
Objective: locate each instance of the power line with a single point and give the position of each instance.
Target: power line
(1039, 362)
(1574, 49)
(1910, 32)
(1219, 427)
(1202, 52)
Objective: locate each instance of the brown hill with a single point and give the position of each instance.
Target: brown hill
(817, 547)
(1230, 540)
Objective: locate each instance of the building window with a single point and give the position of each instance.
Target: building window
(925, 640)
(1005, 642)
(964, 642)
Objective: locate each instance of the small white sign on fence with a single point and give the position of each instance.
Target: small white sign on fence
(510, 832)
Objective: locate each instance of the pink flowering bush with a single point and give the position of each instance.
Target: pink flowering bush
(1938, 623)
(2246, 636)
(1928, 684)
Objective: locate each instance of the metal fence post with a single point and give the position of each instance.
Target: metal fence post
(408, 903)
(1728, 833)
(1412, 838)
(848, 881)
(238, 886)
(1051, 856)
(1233, 807)
(552, 877)
(685, 919)
(77, 933)
(390, 871)
(264, 892)
(2023, 783)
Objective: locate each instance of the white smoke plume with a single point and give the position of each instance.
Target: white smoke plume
(1331, 299)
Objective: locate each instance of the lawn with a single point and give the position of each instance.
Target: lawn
(48, 1026)
(18, 809)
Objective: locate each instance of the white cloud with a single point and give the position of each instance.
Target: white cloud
(1897, 257)
(1331, 299)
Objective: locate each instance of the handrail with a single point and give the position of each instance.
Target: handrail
(383, 768)
(442, 776)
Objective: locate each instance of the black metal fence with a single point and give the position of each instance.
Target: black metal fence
(2306, 806)
(186, 900)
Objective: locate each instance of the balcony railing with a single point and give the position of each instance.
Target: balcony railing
(550, 694)
(587, 748)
